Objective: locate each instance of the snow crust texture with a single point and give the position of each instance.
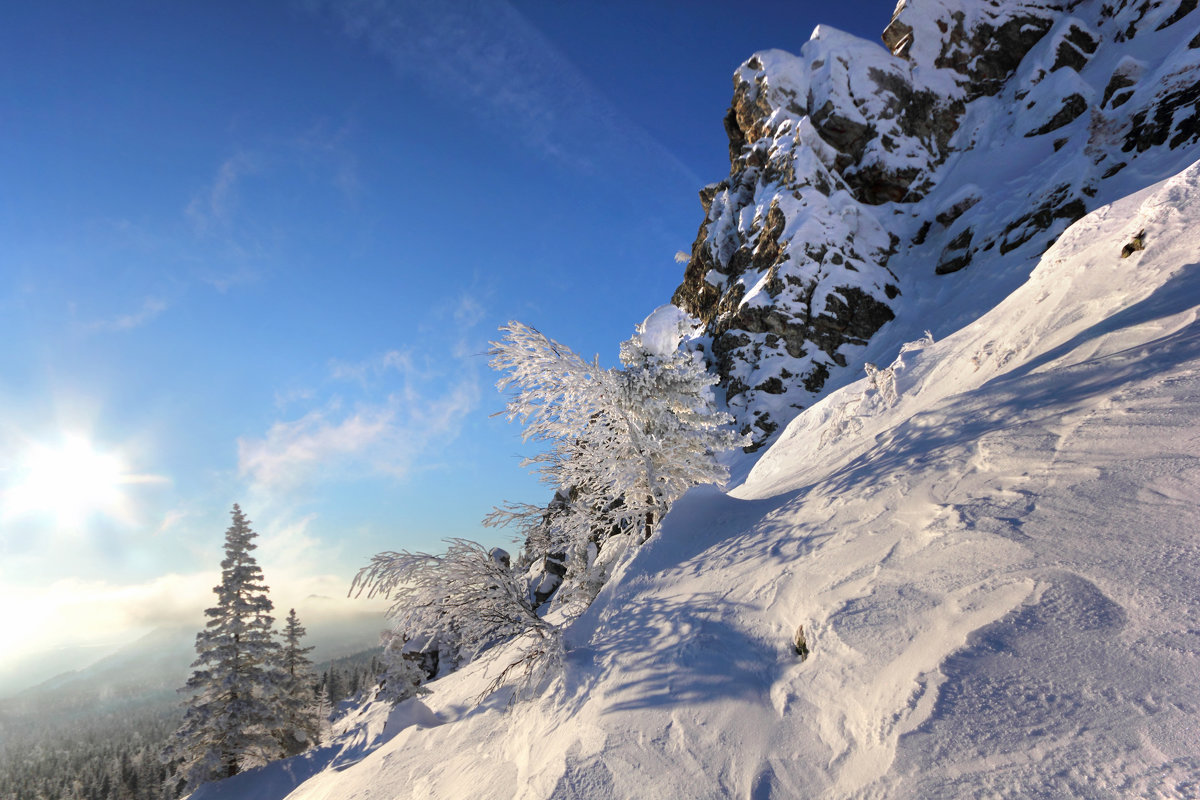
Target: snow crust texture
(858, 174)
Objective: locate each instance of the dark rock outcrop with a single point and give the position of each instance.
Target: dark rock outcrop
(837, 174)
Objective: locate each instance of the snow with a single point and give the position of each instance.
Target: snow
(664, 329)
(995, 574)
(358, 733)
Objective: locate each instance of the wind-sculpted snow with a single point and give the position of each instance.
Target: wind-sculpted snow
(995, 572)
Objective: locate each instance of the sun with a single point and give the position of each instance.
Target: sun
(68, 482)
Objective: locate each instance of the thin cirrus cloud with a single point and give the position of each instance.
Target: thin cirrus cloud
(363, 371)
(485, 53)
(151, 308)
(213, 206)
(244, 234)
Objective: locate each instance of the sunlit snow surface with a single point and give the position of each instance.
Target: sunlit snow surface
(998, 574)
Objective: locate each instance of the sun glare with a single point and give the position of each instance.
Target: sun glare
(69, 483)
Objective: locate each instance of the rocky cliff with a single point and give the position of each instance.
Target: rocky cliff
(961, 149)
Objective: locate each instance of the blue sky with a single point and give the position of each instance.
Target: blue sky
(254, 253)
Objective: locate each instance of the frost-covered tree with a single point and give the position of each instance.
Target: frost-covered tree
(402, 674)
(670, 431)
(322, 711)
(232, 718)
(300, 727)
(624, 443)
(463, 602)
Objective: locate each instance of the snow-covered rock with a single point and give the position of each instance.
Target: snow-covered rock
(973, 139)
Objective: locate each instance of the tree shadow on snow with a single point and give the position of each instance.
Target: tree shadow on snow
(707, 524)
(673, 651)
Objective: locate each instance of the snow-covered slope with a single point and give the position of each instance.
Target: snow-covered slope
(995, 566)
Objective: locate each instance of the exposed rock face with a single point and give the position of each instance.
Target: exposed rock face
(851, 165)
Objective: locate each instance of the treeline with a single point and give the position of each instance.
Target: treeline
(350, 677)
(114, 755)
(110, 756)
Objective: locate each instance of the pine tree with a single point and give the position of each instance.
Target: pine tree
(301, 728)
(322, 711)
(230, 722)
(333, 685)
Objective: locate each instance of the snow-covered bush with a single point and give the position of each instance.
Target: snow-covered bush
(624, 443)
(402, 674)
(464, 600)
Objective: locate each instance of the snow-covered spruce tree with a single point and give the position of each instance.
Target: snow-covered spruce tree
(624, 443)
(322, 711)
(300, 727)
(464, 601)
(232, 718)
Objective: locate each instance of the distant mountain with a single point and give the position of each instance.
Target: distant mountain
(22, 672)
(152, 668)
(147, 670)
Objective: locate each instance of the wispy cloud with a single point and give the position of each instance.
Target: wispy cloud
(214, 205)
(171, 519)
(469, 312)
(361, 371)
(224, 280)
(288, 398)
(488, 56)
(240, 240)
(383, 416)
(329, 444)
(151, 307)
(329, 147)
(231, 237)
(291, 451)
